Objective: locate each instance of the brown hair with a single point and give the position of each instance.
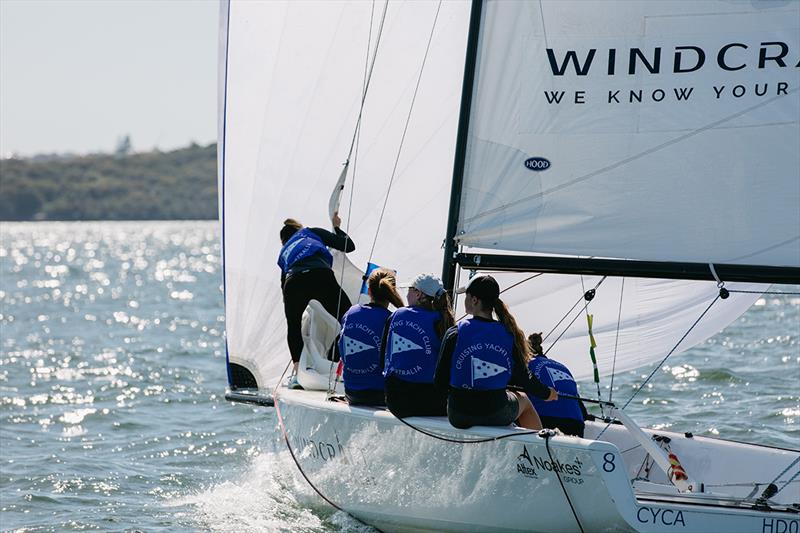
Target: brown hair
(383, 287)
(290, 227)
(535, 340)
(521, 347)
(442, 304)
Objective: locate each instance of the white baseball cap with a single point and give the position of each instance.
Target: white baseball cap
(426, 284)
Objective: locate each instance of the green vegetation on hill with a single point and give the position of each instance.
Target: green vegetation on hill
(181, 184)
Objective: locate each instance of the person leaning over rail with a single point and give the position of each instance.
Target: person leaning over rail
(480, 357)
(411, 343)
(566, 414)
(359, 344)
(306, 274)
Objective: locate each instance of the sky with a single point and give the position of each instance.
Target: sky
(75, 76)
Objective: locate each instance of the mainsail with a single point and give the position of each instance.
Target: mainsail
(623, 181)
(668, 130)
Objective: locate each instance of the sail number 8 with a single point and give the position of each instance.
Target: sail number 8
(537, 164)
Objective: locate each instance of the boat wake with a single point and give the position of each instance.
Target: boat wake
(269, 495)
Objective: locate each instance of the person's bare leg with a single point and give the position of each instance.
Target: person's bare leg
(527, 417)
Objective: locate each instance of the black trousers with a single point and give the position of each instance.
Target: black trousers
(299, 288)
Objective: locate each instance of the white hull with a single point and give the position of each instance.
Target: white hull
(381, 471)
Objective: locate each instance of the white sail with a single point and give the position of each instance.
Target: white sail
(293, 73)
(703, 169)
(640, 330)
(292, 76)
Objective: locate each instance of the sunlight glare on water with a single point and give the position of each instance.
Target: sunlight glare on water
(112, 378)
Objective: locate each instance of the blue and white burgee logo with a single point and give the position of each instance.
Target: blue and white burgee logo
(484, 369)
(370, 268)
(558, 375)
(289, 249)
(352, 346)
(401, 344)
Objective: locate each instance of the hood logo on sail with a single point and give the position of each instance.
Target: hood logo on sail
(537, 164)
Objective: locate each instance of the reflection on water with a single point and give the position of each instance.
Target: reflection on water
(112, 375)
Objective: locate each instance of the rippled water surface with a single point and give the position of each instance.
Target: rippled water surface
(112, 414)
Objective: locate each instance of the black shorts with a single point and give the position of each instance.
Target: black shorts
(568, 426)
(365, 397)
(404, 398)
(503, 416)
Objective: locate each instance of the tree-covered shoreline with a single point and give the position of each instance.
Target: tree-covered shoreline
(176, 185)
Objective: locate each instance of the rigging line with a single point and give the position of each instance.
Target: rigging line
(356, 143)
(517, 284)
(562, 319)
(468, 441)
(368, 75)
(616, 341)
(627, 160)
(797, 460)
(653, 373)
(546, 435)
(585, 305)
(791, 479)
(638, 389)
(405, 129)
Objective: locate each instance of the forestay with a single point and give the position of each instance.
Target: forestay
(663, 131)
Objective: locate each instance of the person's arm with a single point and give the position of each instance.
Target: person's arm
(521, 377)
(338, 240)
(442, 376)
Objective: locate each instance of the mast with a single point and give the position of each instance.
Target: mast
(449, 263)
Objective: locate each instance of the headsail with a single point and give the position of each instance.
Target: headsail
(295, 75)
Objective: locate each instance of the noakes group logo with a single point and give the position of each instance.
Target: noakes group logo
(537, 164)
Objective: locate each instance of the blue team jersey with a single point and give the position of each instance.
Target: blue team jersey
(555, 375)
(301, 245)
(413, 345)
(483, 357)
(360, 346)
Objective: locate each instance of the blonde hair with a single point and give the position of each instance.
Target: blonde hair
(383, 287)
(290, 227)
(522, 348)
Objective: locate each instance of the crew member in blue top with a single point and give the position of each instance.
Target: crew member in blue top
(480, 357)
(306, 275)
(411, 342)
(565, 414)
(360, 340)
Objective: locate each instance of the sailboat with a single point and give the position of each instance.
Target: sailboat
(628, 171)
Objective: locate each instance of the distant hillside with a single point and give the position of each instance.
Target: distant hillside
(181, 184)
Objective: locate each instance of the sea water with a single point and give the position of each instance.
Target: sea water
(112, 378)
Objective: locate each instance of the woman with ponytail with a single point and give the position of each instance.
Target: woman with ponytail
(566, 414)
(306, 275)
(360, 340)
(480, 357)
(411, 344)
